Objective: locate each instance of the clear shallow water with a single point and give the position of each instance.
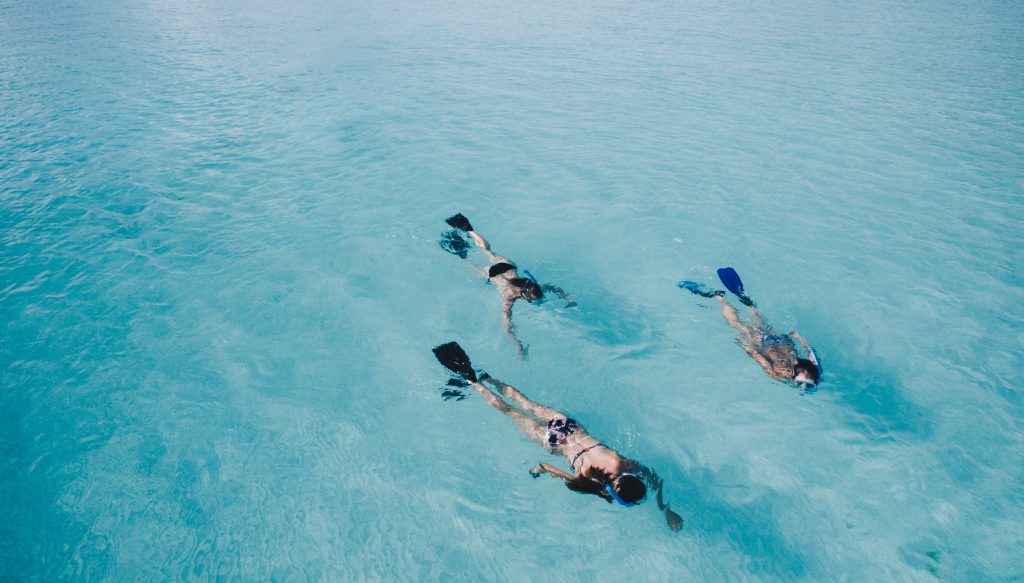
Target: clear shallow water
(219, 285)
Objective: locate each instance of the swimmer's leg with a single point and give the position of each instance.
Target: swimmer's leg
(531, 427)
(486, 247)
(757, 322)
(733, 318)
(539, 411)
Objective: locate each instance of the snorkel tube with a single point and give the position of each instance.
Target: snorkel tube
(530, 276)
(813, 354)
(615, 496)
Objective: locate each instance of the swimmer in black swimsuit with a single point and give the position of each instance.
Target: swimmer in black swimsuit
(595, 468)
(777, 354)
(505, 276)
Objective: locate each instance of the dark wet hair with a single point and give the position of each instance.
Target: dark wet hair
(590, 485)
(531, 291)
(806, 366)
(630, 488)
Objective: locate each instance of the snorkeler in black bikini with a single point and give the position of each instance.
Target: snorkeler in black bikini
(777, 354)
(595, 468)
(505, 276)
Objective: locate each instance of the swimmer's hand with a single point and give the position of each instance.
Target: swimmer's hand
(542, 468)
(571, 304)
(522, 350)
(675, 522)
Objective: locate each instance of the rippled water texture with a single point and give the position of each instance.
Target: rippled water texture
(220, 284)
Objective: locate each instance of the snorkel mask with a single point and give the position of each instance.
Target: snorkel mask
(808, 386)
(542, 298)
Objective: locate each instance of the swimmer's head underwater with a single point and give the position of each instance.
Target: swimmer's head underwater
(528, 289)
(805, 374)
(626, 489)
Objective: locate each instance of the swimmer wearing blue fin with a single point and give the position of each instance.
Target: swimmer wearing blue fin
(596, 469)
(777, 354)
(505, 276)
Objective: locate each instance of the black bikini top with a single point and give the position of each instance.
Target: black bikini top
(579, 454)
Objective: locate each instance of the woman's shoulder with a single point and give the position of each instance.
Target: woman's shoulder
(630, 465)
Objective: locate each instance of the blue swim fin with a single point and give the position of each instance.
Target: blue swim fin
(731, 281)
(700, 289)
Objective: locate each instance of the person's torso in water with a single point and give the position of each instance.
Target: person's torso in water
(509, 292)
(781, 353)
(588, 456)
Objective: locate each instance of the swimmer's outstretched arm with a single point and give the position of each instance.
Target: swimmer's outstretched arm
(761, 360)
(510, 330)
(675, 522)
(539, 469)
(547, 287)
(796, 336)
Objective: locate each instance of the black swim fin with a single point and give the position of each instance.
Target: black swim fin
(455, 359)
(459, 221)
(731, 281)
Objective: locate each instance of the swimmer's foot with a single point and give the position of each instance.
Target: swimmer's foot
(700, 289)
(460, 222)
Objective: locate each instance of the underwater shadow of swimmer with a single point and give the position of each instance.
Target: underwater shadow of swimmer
(614, 321)
(453, 242)
(879, 409)
(453, 390)
(868, 386)
(750, 528)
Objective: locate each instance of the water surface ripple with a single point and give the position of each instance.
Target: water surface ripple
(219, 284)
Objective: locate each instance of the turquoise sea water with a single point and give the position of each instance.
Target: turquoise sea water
(220, 284)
